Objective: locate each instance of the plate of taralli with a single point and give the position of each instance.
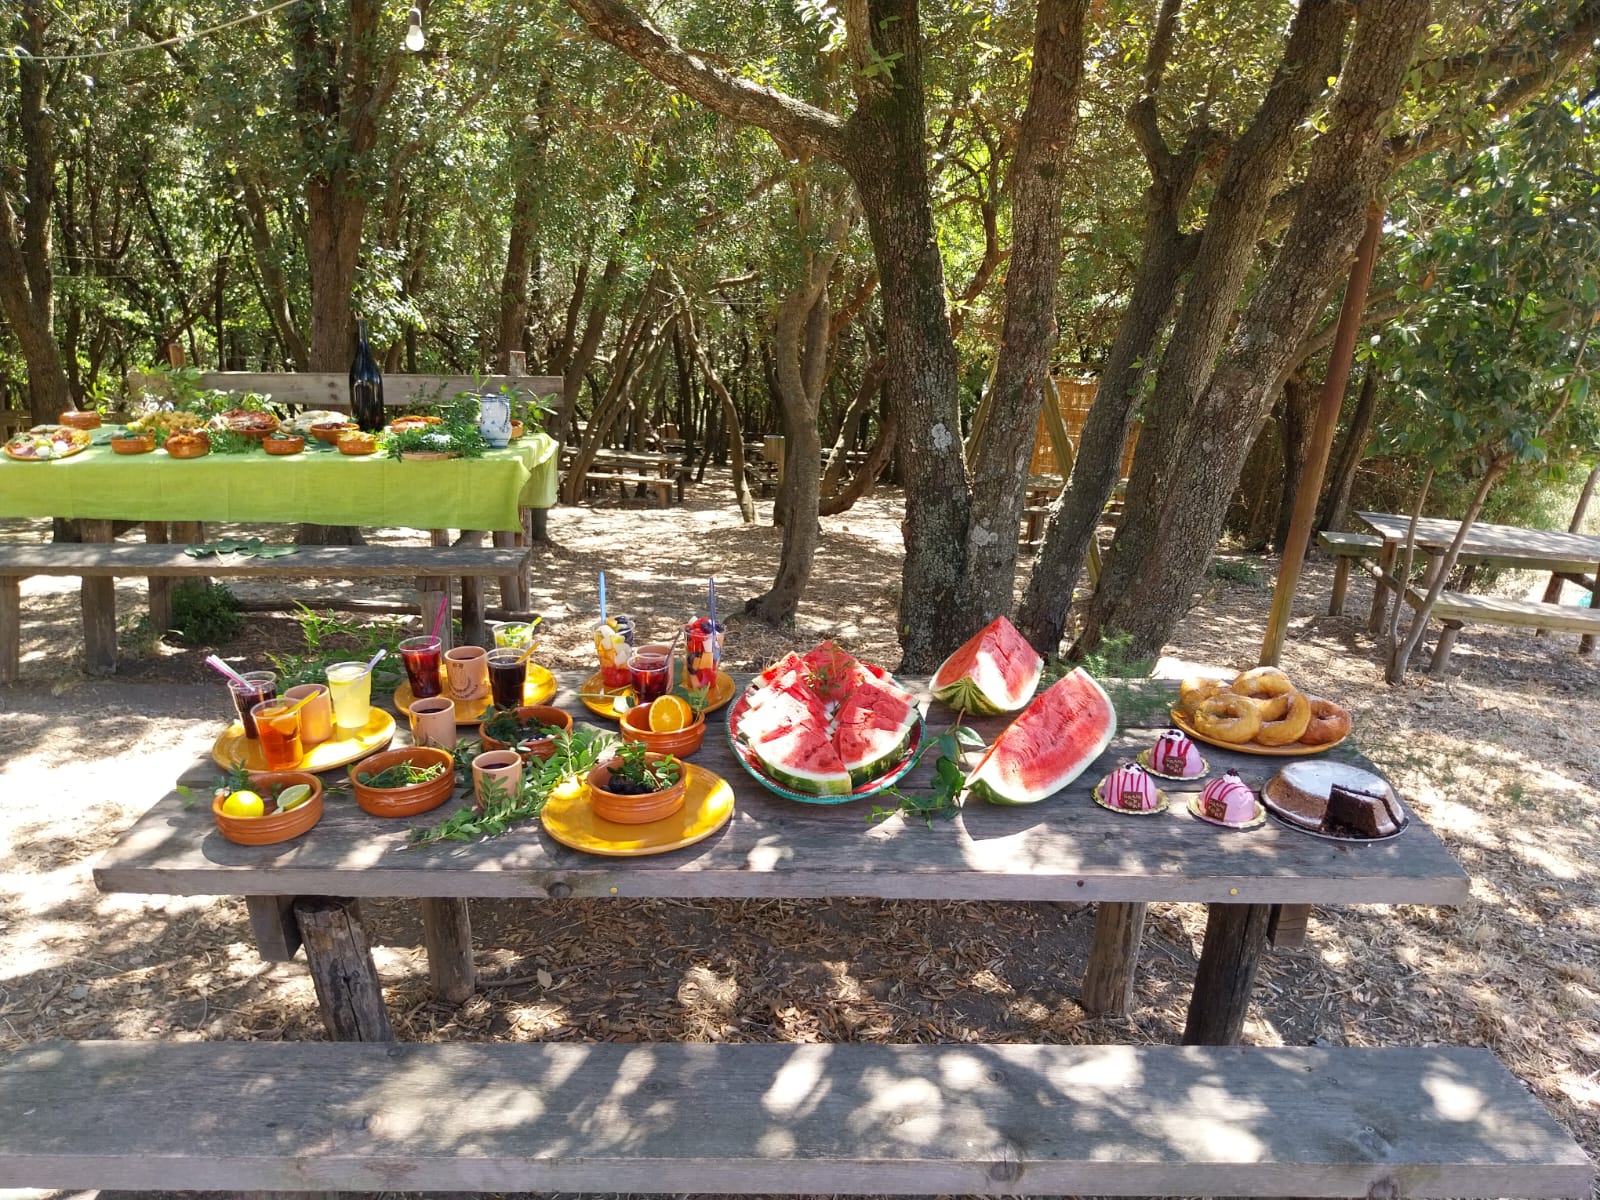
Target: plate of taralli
(1259, 712)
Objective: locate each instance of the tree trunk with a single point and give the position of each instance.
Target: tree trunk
(274, 287)
(522, 245)
(866, 393)
(577, 365)
(1191, 451)
(878, 458)
(1336, 506)
(730, 414)
(1300, 402)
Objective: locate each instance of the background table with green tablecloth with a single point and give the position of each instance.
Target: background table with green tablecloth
(320, 485)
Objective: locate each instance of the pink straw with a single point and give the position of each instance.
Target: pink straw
(444, 606)
(217, 664)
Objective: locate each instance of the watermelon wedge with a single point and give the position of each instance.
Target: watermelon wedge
(995, 671)
(873, 728)
(804, 759)
(1064, 730)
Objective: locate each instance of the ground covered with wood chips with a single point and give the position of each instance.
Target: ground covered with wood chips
(1500, 756)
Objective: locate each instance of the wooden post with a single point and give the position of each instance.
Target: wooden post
(1552, 590)
(1341, 583)
(473, 630)
(10, 628)
(1235, 937)
(1113, 958)
(273, 923)
(429, 597)
(513, 593)
(447, 933)
(99, 610)
(1381, 589)
(342, 969)
(1441, 650)
(1305, 501)
(1286, 928)
(155, 534)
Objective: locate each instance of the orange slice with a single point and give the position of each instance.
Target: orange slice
(668, 714)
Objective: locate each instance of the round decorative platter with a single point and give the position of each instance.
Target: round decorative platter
(1292, 750)
(1283, 818)
(602, 702)
(707, 806)
(540, 686)
(232, 746)
(48, 443)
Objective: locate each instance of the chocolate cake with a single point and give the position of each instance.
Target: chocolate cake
(1301, 792)
(1363, 814)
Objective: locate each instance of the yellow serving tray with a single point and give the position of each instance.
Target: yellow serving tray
(538, 689)
(599, 700)
(232, 746)
(707, 805)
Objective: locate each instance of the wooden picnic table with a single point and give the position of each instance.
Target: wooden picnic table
(1064, 849)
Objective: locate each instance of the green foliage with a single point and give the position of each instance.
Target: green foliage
(633, 764)
(204, 614)
(330, 639)
(457, 432)
(1229, 571)
(943, 798)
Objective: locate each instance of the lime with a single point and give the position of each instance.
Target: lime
(293, 797)
(243, 804)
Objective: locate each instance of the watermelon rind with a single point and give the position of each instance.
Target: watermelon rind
(994, 671)
(1063, 731)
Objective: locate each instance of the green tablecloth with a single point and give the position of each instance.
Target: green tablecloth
(318, 485)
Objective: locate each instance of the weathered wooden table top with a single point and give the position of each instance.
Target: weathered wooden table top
(1065, 848)
(1549, 548)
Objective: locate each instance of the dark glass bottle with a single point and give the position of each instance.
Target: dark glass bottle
(366, 385)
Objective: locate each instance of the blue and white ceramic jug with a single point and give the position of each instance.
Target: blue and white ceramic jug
(494, 419)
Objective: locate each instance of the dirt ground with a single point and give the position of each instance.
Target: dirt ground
(1500, 756)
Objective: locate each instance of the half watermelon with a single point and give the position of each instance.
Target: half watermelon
(1064, 730)
(995, 671)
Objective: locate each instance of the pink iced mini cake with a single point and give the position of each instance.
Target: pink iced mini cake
(1174, 754)
(1130, 789)
(1227, 798)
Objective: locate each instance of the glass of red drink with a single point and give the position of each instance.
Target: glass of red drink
(421, 658)
(650, 674)
(278, 723)
(257, 686)
(508, 675)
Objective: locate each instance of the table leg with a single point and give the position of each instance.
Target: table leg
(1235, 936)
(1441, 651)
(429, 598)
(156, 534)
(539, 524)
(10, 628)
(1380, 590)
(342, 969)
(99, 610)
(1341, 582)
(447, 933)
(513, 594)
(1113, 958)
(473, 630)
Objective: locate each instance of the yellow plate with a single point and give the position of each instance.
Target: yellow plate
(598, 700)
(541, 685)
(707, 805)
(233, 746)
(1292, 750)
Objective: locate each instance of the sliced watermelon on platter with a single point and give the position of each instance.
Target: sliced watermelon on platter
(804, 758)
(1064, 730)
(872, 731)
(994, 671)
(832, 673)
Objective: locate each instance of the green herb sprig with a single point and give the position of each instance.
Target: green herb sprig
(402, 774)
(949, 779)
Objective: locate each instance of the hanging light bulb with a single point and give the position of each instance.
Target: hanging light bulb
(414, 39)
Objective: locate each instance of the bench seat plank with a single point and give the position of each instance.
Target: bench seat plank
(1469, 608)
(1355, 544)
(113, 559)
(779, 1118)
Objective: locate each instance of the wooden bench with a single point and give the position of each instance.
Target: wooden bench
(779, 1119)
(661, 486)
(1347, 548)
(99, 563)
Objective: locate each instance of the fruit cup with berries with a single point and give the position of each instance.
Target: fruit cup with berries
(702, 653)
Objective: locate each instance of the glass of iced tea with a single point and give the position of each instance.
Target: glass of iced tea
(278, 724)
(508, 676)
(258, 686)
(421, 658)
(650, 674)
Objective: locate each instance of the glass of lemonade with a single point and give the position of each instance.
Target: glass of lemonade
(351, 686)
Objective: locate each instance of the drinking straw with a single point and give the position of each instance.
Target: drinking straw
(602, 597)
(375, 658)
(444, 605)
(217, 664)
(713, 602)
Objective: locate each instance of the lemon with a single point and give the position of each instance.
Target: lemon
(243, 804)
(668, 714)
(293, 797)
(567, 789)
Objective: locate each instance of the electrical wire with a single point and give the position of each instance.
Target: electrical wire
(20, 52)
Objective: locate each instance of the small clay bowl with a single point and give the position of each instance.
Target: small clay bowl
(74, 419)
(545, 714)
(412, 798)
(401, 424)
(134, 443)
(275, 826)
(332, 431)
(633, 810)
(357, 443)
(188, 445)
(283, 443)
(680, 742)
(516, 430)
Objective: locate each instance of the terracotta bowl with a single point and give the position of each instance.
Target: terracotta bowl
(188, 445)
(517, 430)
(632, 810)
(275, 826)
(357, 443)
(332, 431)
(283, 443)
(74, 419)
(545, 714)
(681, 742)
(400, 424)
(133, 444)
(411, 799)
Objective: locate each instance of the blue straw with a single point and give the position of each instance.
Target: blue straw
(713, 603)
(602, 597)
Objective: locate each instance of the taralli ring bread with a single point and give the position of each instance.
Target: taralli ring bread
(1269, 688)
(1297, 715)
(1195, 691)
(1329, 722)
(1228, 718)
